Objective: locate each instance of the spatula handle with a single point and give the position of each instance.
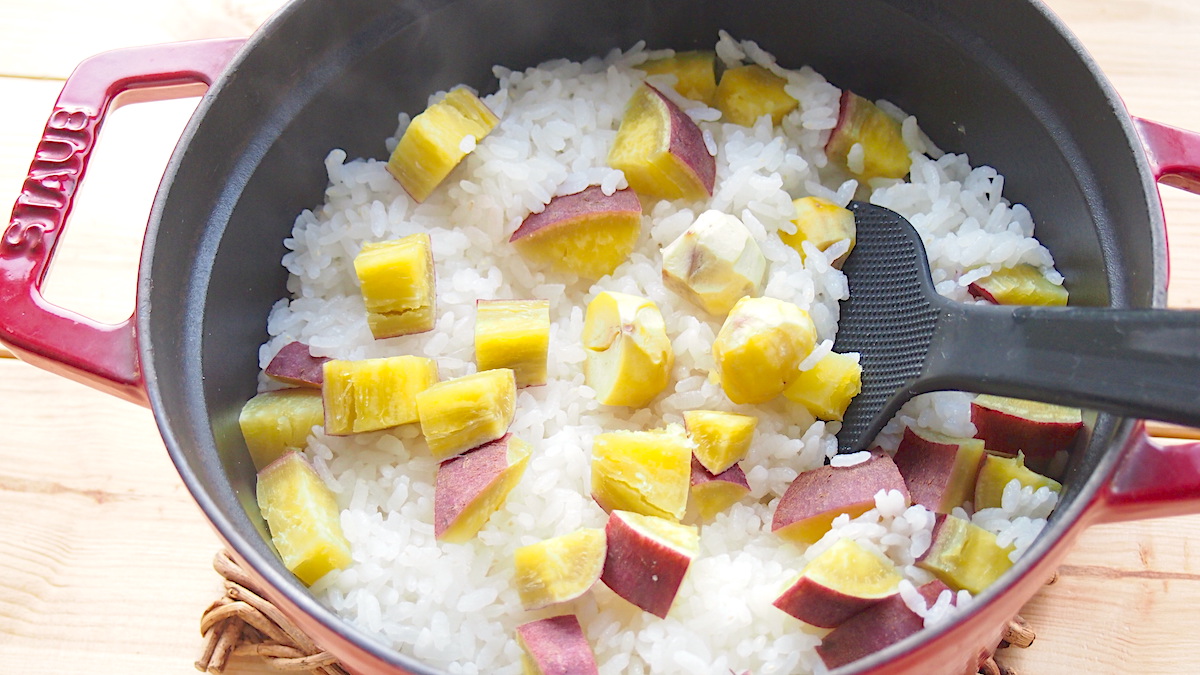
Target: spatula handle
(1139, 363)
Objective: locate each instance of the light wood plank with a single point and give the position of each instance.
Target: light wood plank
(106, 564)
(48, 40)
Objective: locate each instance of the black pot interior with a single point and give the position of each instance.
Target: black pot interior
(993, 78)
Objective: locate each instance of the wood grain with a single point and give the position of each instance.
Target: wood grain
(106, 566)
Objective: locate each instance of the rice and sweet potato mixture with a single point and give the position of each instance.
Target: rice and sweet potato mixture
(435, 588)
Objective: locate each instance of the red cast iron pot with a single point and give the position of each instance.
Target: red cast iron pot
(1000, 79)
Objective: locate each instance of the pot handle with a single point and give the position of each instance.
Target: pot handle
(1153, 479)
(1173, 154)
(64, 342)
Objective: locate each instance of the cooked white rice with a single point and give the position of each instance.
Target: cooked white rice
(454, 606)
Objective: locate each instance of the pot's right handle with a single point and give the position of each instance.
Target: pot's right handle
(51, 337)
(1154, 479)
(1173, 153)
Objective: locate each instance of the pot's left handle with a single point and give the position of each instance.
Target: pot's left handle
(51, 337)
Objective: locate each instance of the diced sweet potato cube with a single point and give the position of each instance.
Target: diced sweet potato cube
(997, 472)
(822, 223)
(746, 93)
(876, 627)
(559, 569)
(722, 438)
(647, 559)
(295, 365)
(881, 151)
(939, 470)
(303, 518)
(513, 334)
(964, 555)
(806, 511)
(587, 233)
(695, 73)
(827, 388)
(711, 494)
(469, 488)
(397, 281)
(645, 472)
(842, 581)
(437, 140)
(1040, 430)
(1019, 285)
(661, 150)
(277, 421)
(460, 414)
(374, 394)
(555, 646)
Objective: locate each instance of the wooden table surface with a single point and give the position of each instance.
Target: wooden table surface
(105, 565)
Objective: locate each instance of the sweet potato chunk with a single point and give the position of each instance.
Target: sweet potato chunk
(438, 139)
(303, 518)
(277, 421)
(661, 150)
(587, 233)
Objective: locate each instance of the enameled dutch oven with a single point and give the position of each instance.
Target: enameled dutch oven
(1000, 79)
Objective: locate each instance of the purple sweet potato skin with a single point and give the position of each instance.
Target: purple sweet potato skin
(733, 474)
(819, 605)
(558, 647)
(294, 364)
(587, 202)
(1007, 434)
(646, 574)
(928, 468)
(687, 143)
(874, 628)
(828, 488)
(460, 480)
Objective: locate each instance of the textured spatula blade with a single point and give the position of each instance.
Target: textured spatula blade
(889, 319)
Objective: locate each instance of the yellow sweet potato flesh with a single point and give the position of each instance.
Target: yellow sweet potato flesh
(849, 568)
(274, 422)
(397, 284)
(647, 472)
(715, 496)
(822, 223)
(746, 93)
(997, 472)
(559, 569)
(862, 123)
(303, 518)
(694, 71)
(374, 394)
(722, 438)
(965, 556)
(1022, 285)
(827, 388)
(513, 334)
(643, 150)
(587, 233)
(460, 414)
(432, 145)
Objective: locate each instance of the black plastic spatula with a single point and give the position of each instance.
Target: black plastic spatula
(1140, 363)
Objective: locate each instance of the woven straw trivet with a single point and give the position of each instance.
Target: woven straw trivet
(242, 623)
